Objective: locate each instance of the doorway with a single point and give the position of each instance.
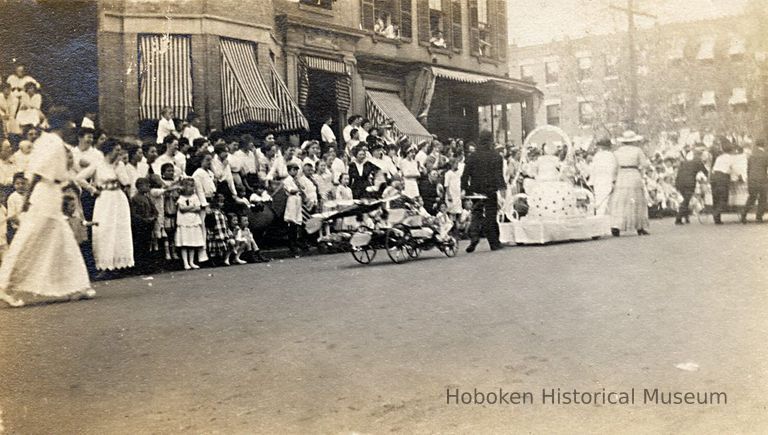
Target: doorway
(322, 102)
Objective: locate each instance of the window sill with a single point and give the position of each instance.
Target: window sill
(316, 10)
(486, 59)
(438, 50)
(378, 38)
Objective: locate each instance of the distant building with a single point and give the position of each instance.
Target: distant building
(697, 79)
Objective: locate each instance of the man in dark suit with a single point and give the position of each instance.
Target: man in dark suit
(686, 183)
(484, 174)
(757, 181)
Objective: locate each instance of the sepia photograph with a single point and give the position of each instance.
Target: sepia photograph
(358, 217)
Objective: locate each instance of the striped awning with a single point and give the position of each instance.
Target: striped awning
(323, 64)
(165, 75)
(343, 79)
(293, 119)
(382, 106)
(245, 96)
(517, 86)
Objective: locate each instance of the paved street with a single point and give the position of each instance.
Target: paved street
(323, 345)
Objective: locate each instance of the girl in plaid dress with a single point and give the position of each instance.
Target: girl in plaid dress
(220, 238)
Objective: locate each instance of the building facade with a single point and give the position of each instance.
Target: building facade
(695, 79)
(431, 66)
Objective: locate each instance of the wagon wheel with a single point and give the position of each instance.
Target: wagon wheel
(413, 251)
(396, 245)
(451, 247)
(364, 254)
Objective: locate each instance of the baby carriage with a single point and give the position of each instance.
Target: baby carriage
(414, 231)
(361, 241)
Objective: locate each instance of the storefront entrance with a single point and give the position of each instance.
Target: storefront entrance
(322, 102)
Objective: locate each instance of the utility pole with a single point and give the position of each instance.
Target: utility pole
(632, 53)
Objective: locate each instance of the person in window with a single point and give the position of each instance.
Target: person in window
(438, 40)
(384, 26)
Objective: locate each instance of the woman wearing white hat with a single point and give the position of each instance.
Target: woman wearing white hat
(628, 203)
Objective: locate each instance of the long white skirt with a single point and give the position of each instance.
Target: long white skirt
(112, 240)
(44, 258)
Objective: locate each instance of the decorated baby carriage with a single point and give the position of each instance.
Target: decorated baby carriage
(553, 208)
(358, 227)
(414, 231)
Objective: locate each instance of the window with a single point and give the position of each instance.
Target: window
(678, 106)
(325, 4)
(552, 72)
(387, 18)
(708, 102)
(737, 48)
(706, 49)
(484, 28)
(585, 68)
(611, 70)
(586, 113)
(738, 100)
(553, 114)
(435, 16)
(526, 73)
(677, 51)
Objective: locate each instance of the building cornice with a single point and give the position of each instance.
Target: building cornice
(169, 18)
(297, 21)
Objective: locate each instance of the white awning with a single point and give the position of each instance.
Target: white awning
(739, 96)
(708, 98)
(466, 77)
(707, 49)
(738, 46)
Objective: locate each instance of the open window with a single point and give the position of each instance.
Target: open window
(738, 101)
(708, 102)
(552, 72)
(389, 19)
(586, 113)
(585, 68)
(678, 105)
(553, 112)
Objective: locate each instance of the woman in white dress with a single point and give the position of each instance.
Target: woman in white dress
(112, 240)
(44, 258)
(409, 167)
(628, 203)
(29, 106)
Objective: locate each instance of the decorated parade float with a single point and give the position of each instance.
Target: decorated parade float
(554, 205)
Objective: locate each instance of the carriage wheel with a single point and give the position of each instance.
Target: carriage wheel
(413, 251)
(396, 245)
(364, 254)
(451, 247)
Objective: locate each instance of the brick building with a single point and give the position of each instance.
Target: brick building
(695, 77)
(286, 65)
